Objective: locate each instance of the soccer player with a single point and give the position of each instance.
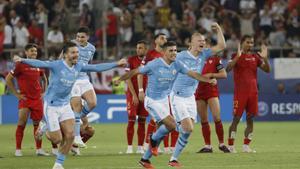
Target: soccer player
(208, 96)
(244, 64)
(161, 72)
(58, 113)
(183, 102)
(30, 97)
(83, 89)
(134, 106)
(159, 40)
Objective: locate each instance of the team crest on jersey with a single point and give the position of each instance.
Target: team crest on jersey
(210, 61)
(90, 53)
(174, 72)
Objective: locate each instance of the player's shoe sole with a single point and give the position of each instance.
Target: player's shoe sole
(205, 150)
(146, 164)
(175, 164)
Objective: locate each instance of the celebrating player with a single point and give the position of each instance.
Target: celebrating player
(182, 97)
(58, 113)
(244, 64)
(30, 97)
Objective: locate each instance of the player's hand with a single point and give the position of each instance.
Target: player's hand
(263, 51)
(213, 81)
(20, 96)
(135, 100)
(215, 26)
(141, 96)
(17, 58)
(122, 63)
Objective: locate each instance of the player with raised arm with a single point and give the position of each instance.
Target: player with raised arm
(134, 106)
(183, 102)
(161, 72)
(244, 64)
(30, 97)
(57, 109)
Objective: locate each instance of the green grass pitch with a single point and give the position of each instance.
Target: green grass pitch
(277, 145)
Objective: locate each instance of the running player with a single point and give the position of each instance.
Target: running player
(57, 109)
(182, 97)
(244, 65)
(134, 106)
(30, 97)
(161, 72)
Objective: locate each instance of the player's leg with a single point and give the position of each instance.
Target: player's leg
(132, 112)
(91, 101)
(251, 109)
(141, 133)
(202, 112)
(214, 106)
(22, 120)
(151, 128)
(174, 138)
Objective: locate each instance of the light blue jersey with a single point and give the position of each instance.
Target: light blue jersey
(62, 77)
(185, 86)
(86, 54)
(161, 77)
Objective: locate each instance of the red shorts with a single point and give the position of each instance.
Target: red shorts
(205, 95)
(133, 110)
(248, 102)
(35, 107)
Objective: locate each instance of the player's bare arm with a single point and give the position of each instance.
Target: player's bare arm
(201, 78)
(265, 66)
(221, 45)
(232, 62)
(222, 74)
(10, 84)
(127, 75)
(140, 85)
(132, 91)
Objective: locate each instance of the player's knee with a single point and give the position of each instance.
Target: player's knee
(189, 129)
(55, 139)
(92, 104)
(69, 136)
(141, 119)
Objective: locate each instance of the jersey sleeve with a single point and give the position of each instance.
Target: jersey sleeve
(98, 67)
(39, 63)
(181, 67)
(258, 59)
(219, 64)
(146, 69)
(17, 70)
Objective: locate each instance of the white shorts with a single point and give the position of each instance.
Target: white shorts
(183, 107)
(159, 109)
(54, 115)
(80, 87)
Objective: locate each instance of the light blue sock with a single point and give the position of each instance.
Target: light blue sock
(77, 124)
(60, 158)
(181, 143)
(85, 110)
(160, 133)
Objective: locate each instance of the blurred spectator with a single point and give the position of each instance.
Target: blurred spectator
(55, 39)
(36, 33)
(21, 34)
(112, 28)
(247, 5)
(125, 27)
(138, 26)
(87, 18)
(163, 14)
(265, 22)
(207, 18)
(291, 54)
(149, 15)
(281, 88)
(120, 88)
(295, 43)
(14, 18)
(40, 14)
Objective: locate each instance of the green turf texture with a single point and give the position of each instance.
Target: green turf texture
(277, 145)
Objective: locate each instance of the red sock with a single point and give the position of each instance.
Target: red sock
(206, 132)
(86, 137)
(230, 141)
(151, 129)
(219, 131)
(247, 141)
(19, 136)
(141, 131)
(54, 145)
(166, 140)
(174, 137)
(38, 143)
(130, 130)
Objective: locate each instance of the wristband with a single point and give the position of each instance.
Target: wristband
(141, 90)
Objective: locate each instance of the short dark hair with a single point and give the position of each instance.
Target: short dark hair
(68, 45)
(142, 42)
(157, 35)
(246, 37)
(168, 44)
(30, 45)
(83, 29)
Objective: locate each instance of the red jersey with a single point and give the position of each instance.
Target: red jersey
(28, 80)
(245, 73)
(133, 63)
(151, 55)
(212, 65)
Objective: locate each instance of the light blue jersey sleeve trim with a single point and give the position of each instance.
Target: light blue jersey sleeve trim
(38, 63)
